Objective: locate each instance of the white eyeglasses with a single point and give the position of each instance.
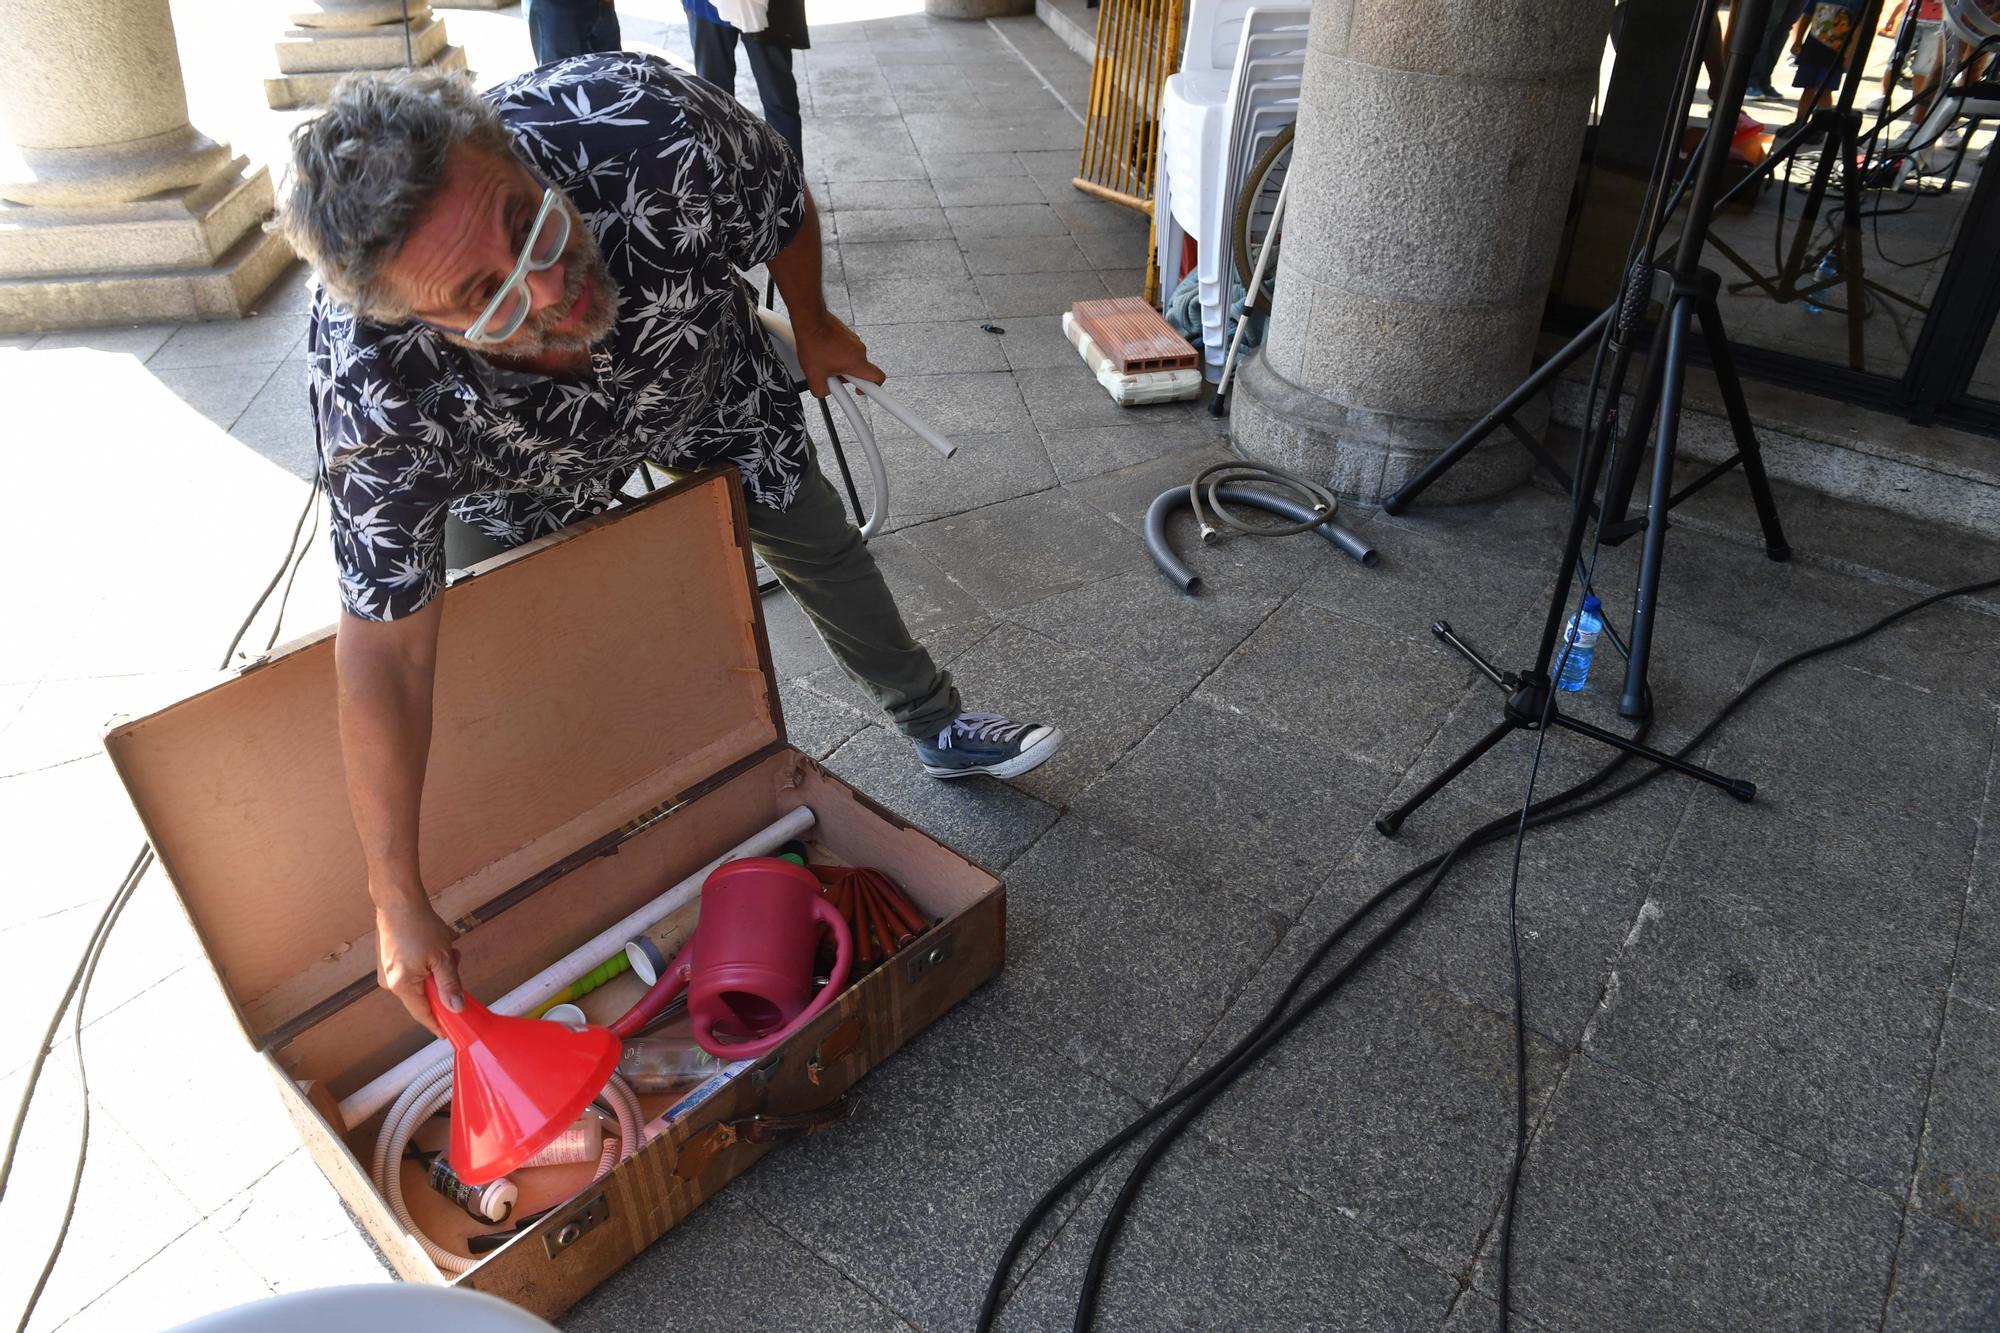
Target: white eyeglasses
(508, 309)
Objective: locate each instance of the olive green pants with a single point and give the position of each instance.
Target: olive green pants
(820, 558)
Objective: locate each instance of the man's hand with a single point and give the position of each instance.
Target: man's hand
(826, 348)
(412, 942)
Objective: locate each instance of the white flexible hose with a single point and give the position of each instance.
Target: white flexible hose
(878, 513)
(430, 1090)
(780, 330)
(895, 408)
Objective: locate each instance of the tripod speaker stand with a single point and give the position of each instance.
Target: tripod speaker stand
(1690, 298)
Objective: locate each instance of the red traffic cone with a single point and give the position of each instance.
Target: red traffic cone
(516, 1083)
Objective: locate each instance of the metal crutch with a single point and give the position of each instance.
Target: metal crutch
(1215, 404)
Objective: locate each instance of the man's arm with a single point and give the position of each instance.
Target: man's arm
(826, 346)
(386, 670)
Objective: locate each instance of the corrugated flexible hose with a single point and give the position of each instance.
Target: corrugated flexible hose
(430, 1090)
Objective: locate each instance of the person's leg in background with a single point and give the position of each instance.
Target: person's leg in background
(778, 90)
(1832, 36)
(819, 557)
(1777, 28)
(1714, 55)
(714, 52)
(604, 32)
(559, 29)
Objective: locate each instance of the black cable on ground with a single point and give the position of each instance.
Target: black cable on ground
(309, 518)
(77, 993)
(47, 1045)
(1269, 1029)
(1641, 258)
(1195, 1096)
(298, 529)
(1514, 973)
(80, 985)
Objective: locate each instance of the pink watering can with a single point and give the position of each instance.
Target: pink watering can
(748, 968)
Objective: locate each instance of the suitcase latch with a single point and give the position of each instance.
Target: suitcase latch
(925, 955)
(839, 1044)
(571, 1228)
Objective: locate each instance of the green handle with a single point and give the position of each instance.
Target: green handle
(613, 966)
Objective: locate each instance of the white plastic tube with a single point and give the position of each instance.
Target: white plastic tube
(536, 990)
(878, 513)
(895, 408)
(780, 330)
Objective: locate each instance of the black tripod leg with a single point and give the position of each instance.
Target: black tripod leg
(1724, 361)
(1795, 262)
(1618, 524)
(1526, 439)
(1387, 824)
(1740, 788)
(1673, 333)
(1752, 278)
(1850, 240)
(840, 457)
(1506, 408)
(1451, 640)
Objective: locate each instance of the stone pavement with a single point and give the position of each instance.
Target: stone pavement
(1763, 1039)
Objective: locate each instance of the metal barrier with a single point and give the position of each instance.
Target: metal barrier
(1138, 46)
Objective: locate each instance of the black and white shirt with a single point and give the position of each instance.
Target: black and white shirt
(681, 187)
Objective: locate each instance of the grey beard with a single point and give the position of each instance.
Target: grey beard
(535, 337)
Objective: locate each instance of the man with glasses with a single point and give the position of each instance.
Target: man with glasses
(522, 298)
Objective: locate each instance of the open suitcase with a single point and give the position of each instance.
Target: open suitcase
(606, 723)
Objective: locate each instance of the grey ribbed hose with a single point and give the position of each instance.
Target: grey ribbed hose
(1188, 581)
(431, 1089)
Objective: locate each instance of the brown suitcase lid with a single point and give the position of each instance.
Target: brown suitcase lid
(581, 680)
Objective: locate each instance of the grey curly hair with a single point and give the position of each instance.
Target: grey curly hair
(364, 168)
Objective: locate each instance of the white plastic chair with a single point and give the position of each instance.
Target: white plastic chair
(1264, 92)
(1193, 112)
(1205, 134)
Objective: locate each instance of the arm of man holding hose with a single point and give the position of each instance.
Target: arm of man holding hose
(826, 346)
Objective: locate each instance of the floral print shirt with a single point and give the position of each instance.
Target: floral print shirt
(682, 188)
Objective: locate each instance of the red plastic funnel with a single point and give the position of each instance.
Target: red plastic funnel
(516, 1083)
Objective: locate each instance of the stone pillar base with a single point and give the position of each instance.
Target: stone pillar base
(295, 90)
(317, 54)
(1364, 455)
(225, 289)
(196, 253)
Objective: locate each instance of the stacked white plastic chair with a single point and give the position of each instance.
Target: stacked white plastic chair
(1238, 84)
(1270, 66)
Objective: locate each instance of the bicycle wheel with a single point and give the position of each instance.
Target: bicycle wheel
(1253, 212)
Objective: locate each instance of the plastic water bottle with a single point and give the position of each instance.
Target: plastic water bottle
(1580, 636)
(1829, 267)
(653, 1064)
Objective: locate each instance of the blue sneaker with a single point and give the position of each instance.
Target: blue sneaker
(987, 743)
